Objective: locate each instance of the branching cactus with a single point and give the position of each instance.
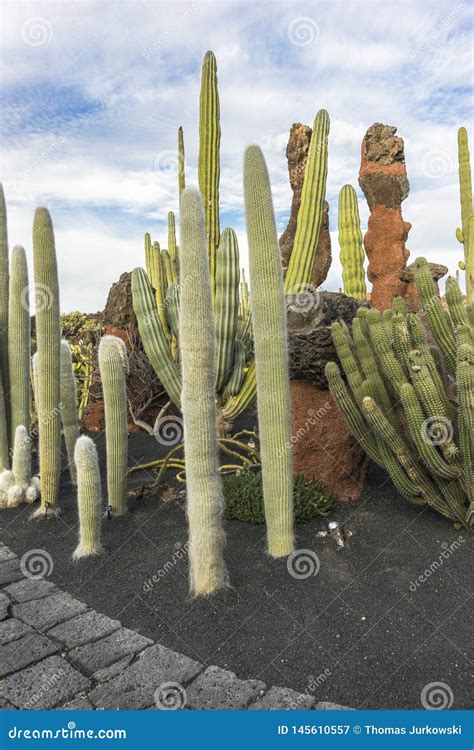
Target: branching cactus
(205, 500)
(48, 336)
(464, 234)
(89, 499)
(69, 406)
(271, 355)
(113, 363)
(350, 241)
(19, 342)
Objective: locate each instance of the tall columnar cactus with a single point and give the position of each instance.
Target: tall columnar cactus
(48, 337)
(181, 162)
(464, 234)
(4, 285)
(197, 342)
(19, 342)
(4, 450)
(113, 364)
(401, 410)
(89, 499)
(300, 267)
(350, 241)
(226, 303)
(69, 407)
(148, 260)
(172, 247)
(271, 354)
(209, 158)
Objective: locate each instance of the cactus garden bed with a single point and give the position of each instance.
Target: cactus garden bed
(366, 631)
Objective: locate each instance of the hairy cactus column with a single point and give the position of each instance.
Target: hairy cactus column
(89, 499)
(197, 342)
(19, 342)
(48, 337)
(4, 450)
(271, 354)
(113, 363)
(69, 407)
(4, 284)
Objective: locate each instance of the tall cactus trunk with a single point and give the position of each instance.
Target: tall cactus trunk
(48, 337)
(19, 343)
(4, 287)
(69, 407)
(271, 355)
(197, 341)
(89, 499)
(350, 241)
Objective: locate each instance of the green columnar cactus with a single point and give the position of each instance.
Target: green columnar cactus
(48, 337)
(172, 249)
(69, 407)
(271, 354)
(464, 234)
(454, 299)
(350, 241)
(19, 342)
(226, 303)
(300, 267)
(148, 260)
(237, 376)
(205, 500)
(440, 324)
(153, 337)
(89, 498)
(4, 285)
(181, 162)
(4, 446)
(209, 158)
(172, 308)
(113, 363)
(170, 273)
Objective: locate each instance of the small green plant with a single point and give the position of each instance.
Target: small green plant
(243, 495)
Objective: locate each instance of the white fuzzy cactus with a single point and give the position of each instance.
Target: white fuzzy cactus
(69, 407)
(21, 464)
(89, 498)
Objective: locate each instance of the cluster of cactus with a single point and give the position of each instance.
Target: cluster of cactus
(17, 485)
(412, 415)
(465, 234)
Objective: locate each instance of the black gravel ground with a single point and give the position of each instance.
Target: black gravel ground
(365, 631)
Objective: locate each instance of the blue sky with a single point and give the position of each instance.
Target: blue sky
(93, 94)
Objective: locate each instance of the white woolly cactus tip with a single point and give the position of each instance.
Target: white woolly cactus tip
(15, 496)
(7, 479)
(36, 483)
(31, 494)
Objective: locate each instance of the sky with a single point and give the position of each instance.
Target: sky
(93, 92)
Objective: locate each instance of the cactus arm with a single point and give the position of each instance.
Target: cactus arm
(350, 241)
(435, 314)
(369, 366)
(300, 267)
(209, 160)
(172, 308)
(69, 407)
(271, 354)
(172, 248)
(465, 191)
(48, 336)
(113, 363)
(89, 498)
(235, 405)
(181, 162)
(237, 375)
(205, 500)
(470, 263)
(349, 363)
(226, 303)
(19, 342)
(454, 300)
(153, 337)
(4, 287)
(148, 261)
(380, 341)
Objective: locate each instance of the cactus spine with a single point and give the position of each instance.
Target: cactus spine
(300, 267)
(69, 407)
(464, 234)
(181, 162)
(226, 303)
(89, 498)
(19, 342)
(271, 354)
(48, 336)
(209, 159)
(197, 341)
(113, 363)
(350, 241)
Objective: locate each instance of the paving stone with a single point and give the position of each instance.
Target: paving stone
(328, 706)
(4, 604)
(45, 685)
(30, 588)
(10, 571)
(135, 687)
(78, 704)
(217, 688)
(12, 629)
(280, 698)
(6, 706)
(100, 654)
(42, 614)
(28, 649)
(6, 553)
(103, 675)
(83, 629)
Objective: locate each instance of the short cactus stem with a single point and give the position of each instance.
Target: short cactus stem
(69, 406)
(89, 499)
(113, 363)
(21, 464)
(19, 342)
